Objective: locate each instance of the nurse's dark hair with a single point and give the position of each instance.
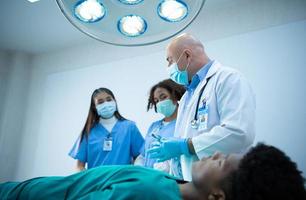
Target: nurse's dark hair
(93, 117)
(265, 173)
(176, 92)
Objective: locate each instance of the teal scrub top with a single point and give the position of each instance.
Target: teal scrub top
(106, 182)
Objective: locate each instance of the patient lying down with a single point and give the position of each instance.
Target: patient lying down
(263, 173)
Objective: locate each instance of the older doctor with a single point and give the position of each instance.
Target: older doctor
(217, 112)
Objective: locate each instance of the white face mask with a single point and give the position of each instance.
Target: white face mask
(107, 109)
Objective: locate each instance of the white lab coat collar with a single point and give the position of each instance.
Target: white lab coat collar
(213, 69)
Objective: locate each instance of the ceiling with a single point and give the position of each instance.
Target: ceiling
(41, 27)
(35, 27)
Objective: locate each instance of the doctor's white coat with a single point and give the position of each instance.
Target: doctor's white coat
(231, 116)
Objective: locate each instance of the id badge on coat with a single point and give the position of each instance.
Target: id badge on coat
(203, 116)
(107, 144)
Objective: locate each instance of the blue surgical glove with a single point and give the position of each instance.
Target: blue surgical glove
(169, 149)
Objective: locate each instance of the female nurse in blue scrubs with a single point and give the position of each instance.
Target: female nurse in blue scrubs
(164, 98)
(107, 138)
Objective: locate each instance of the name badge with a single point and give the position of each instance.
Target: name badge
(107, 144)
(203, 116)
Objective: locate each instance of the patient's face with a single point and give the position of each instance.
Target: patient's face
(208, 172)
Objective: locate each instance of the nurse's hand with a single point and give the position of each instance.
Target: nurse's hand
(169, 149)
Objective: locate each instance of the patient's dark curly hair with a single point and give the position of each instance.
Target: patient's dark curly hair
(266, 173)
(176, 91)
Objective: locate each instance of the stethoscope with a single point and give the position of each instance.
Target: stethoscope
(195, 122)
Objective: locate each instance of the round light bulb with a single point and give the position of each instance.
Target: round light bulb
(132, 25)
(89, 11)
(172, 10)
(130, 2)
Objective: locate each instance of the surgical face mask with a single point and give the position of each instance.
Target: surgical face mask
(166, 107)
(107, 109)
(180, 77)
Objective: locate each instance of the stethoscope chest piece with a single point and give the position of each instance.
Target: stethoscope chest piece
(194, 124)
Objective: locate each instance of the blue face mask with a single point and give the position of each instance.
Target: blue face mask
(166, 107)
(180, 77)
(107, 109)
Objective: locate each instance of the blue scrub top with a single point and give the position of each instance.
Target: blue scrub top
(158, 128)
(127, 142)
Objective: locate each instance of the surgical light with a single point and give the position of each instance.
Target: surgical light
(33, 1)
(172, 10)
(132, 25)
(89, 11)
(130, 1)
(131, 22)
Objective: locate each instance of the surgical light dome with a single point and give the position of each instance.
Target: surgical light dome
(131, 22)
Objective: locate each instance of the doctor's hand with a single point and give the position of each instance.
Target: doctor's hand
(169, 149)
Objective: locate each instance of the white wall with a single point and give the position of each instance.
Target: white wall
(14, 78)
(273, 60)
(4, 71)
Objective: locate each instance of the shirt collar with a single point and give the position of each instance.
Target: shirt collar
(199, 76)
